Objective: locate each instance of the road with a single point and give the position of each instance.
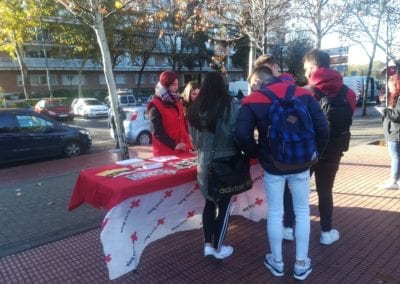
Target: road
(34, 211)
(99, 130)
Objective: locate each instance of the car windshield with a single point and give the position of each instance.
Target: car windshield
(55, 104)
(93, 102)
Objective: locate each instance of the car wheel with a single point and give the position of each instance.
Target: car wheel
(72, 149)
(144, 138)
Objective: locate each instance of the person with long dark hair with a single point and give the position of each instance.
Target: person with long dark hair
(391, 128)
(213, 103)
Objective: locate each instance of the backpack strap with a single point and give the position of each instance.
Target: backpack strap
(317, 92)
(267, 92)
(320, 94)
(343, 91)
(272, 96)
(290, 91)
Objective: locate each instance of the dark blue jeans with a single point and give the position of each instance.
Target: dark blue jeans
(325, 172)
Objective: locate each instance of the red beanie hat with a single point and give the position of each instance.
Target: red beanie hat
(167, 78)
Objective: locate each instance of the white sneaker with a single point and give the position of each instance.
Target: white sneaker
(302, 271)
(224, 252)
(276, 268)
(288, 234)
(390, 185)
(208, 251)
(329, 237)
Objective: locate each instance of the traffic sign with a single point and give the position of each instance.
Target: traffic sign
(337, 50)
(339, 59)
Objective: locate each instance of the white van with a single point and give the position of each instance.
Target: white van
(358, 84)
(236, 86)
(126, 98)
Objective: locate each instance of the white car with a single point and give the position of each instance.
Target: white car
(137, 125)
(89, 107)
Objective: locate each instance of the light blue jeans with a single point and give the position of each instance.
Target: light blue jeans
(299, 185)
(394, 151)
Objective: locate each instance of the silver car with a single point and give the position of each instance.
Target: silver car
(137, 125)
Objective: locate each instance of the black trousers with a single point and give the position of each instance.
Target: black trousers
(325, 173)
(215, 221)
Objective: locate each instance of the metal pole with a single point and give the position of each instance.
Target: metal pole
(387, 60)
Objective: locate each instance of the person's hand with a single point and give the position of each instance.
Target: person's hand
(181, 147)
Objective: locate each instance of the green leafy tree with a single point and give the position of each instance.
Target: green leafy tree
(75, 40)
(19, 18)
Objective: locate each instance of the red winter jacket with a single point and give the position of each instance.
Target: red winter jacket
(173, 125)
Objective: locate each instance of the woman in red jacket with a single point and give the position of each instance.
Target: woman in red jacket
(170, 132)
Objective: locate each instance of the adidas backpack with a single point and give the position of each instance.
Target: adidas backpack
(291, 135)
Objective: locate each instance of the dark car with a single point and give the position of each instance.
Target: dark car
(25, 134)
(55, 108)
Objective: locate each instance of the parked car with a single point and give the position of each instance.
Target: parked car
(137, 125)
(26, 134)
(55, 108)
(126, 98)
(89, 107)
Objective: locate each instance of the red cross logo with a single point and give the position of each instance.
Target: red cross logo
(135, 203)
(134, 237)
(190, 214)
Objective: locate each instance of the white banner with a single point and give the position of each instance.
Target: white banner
(136, 222)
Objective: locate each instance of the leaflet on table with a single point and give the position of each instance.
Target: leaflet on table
(114, 172)
(184, 163)
(147, 174)
(164, 158)
(135, 162)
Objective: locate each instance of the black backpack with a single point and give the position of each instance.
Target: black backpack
(339, 113)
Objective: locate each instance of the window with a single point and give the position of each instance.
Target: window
(142, 79)
(8, 124)
(151, 60)
(102, 79)
(153, 78)
(73, 79)
(38, 80)
(120, 79)
(29, 123)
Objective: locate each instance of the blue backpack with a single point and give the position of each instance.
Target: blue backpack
(291, 133)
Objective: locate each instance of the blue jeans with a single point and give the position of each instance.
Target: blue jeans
(299, 185)
(394, 151)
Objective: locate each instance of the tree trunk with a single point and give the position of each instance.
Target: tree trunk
(371, 60)
(112, 89)
(252, 58)
(24, 72)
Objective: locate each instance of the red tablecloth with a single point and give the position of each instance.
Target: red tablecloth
(106, 192)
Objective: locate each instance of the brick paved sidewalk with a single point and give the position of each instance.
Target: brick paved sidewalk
(368, 251)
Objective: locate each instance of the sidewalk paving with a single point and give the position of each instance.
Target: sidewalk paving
(367, 218)
(368, 251)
